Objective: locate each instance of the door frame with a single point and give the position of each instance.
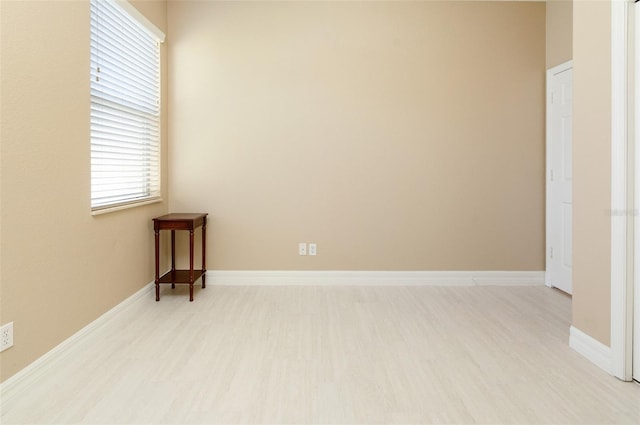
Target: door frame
(549, 160)
(633, 288)
(623, 239)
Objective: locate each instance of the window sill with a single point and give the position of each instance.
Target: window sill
(107, 210)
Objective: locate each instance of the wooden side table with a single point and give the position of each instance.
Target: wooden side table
(173, 222)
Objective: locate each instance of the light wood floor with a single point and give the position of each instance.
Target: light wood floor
(330, 355)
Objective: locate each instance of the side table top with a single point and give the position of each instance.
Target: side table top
(181, 217)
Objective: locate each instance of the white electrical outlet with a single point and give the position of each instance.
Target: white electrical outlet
(302, 248)
(6, 336)
(313, 249)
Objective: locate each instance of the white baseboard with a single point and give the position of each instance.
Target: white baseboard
(592, 349)
(40, 366)
(374, 278)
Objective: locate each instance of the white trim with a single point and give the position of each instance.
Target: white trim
(593, 350)
(374, 278)
(142, 20)
(549, 160)
(46, 361)
(620, 213)
(126, 206)
(633, 315)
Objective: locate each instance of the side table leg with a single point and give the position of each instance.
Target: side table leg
(191, 265)
(204, 252)
(173, 256)
(157, 241)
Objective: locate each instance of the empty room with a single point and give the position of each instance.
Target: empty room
(294, 212)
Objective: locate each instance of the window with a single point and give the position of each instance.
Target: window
(125, 106)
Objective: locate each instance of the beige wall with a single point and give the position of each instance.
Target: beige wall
(559, 32)
(395, 135)
(592, 169)
(61, 267)
(581, 31)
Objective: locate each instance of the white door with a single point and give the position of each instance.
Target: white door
(559, 176)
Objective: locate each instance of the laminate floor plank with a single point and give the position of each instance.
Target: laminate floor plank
(328, 355)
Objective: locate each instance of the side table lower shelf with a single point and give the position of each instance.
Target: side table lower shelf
(182, 277)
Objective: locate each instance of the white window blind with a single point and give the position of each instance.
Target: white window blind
(125, 107)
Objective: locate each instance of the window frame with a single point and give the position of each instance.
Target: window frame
(140, 116)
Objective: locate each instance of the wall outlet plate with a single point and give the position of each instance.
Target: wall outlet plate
(302, 248)
(6, 336)
(313, 249)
